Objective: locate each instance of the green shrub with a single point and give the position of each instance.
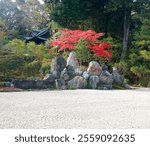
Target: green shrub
(23, 61)
(32, 69)
(116, 49)
(45, 67)
(140, 67)
(83, 54)
(5, 84)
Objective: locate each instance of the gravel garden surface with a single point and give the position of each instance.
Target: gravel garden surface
(75, 109)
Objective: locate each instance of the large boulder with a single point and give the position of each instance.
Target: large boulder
(57, 65)
(94, 68)
(86, 75)
(118, 78)
(73, 61)
(73, 65)
(70, 71)
(104, 67)
(77, 82)
(106, 78)
(64, 75)
(78, 72)
(93, 82)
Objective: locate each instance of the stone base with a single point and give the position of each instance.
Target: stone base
(60, 84)
(105, 87)
(32, 84)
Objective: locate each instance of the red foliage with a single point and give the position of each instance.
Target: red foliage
(101, 50)
(69, 38)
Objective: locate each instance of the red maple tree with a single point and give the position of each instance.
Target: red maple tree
(69, 39)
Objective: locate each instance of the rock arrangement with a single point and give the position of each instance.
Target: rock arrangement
(67, 75)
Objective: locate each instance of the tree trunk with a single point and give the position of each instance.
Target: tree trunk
(106, 24)
(127, 20)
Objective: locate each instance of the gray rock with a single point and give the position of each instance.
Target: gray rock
(77, 82)
(119, 79)
(93, 82)
(60, 84)
(41, 84)
(49, 77)
(86, 75)
(57, 65)
(32, 84)
(104, 67)
(106, 78)
(24, 84)
(73, 67)
(78, 72)
(94, 68)
(70, 71)
(64, 74)
(105, 87)
(73, 61)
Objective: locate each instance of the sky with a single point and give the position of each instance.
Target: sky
(41, 1)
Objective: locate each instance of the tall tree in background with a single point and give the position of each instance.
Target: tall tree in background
(22, 16)
(35, 16)
(126, 7)
(10, 15)
(3, 34)
(142, 34)
(129, 9)
(109, 16)
(78, 14)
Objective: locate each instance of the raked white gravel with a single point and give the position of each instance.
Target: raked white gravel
(75, 109)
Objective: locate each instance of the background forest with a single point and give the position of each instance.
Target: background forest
(125, 23)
